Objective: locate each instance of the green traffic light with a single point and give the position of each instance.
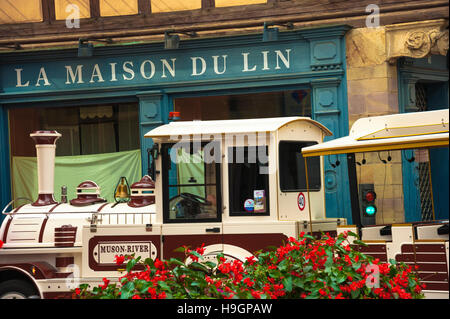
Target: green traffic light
(371, 210)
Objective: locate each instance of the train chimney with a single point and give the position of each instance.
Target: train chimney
(45, 152)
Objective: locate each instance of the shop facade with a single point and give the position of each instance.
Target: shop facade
(401, 68)
(106, 102)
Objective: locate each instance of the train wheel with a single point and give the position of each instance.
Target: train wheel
(17, 289)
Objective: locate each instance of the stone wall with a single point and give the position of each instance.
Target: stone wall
(372, 91)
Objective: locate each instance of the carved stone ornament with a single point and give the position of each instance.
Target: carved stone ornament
(416, 39)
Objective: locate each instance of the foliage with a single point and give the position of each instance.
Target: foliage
(329, 268)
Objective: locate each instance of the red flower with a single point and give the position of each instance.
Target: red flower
(256, 294)
(1, 244)
(159, 264)
(105, 284)
(248, 282)
(136, 297)
(119, 259)
(323, 292)
(77, 291)
(251, 260)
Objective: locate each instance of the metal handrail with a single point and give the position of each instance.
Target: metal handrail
(66, 212)
(11, 202)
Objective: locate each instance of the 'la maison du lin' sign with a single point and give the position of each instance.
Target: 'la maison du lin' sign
(156, 68)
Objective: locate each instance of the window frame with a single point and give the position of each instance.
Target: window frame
(165, 158)
(242, 213)
(305, 189)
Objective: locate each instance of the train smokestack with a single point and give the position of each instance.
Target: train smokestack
(45, 152)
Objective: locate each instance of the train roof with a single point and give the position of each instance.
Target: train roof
(389, 132)
(229, 126)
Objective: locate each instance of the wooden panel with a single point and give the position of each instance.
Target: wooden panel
(20, 11)
(94, 8)
(440, 277)
(422, 257)
(48, 10)
(373, 248)
(436, 286)
(430, 267)
(420, 248)
(311, 13)
(375, 251)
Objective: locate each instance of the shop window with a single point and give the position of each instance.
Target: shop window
(191, 181)
(229, 3)
(245, 106)
(174, 5)
(292, 168)
(18, 11)
(118, 7)
(248, 181)
(69, 8)
(85, 130)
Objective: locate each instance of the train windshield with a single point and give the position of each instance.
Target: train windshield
(191, 173)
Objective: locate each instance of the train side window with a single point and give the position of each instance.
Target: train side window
(292, 168)
(248, 181)
(191, 182)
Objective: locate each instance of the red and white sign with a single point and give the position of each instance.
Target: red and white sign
(301, 201)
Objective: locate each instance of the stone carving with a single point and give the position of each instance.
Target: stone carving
(422, 44)
(416, 39)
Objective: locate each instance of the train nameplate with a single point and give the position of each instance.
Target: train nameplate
(105, 252)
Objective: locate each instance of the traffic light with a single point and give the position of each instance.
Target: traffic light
(369, 207)
(367, 197)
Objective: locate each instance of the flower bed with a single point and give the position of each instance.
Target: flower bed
(302, 268)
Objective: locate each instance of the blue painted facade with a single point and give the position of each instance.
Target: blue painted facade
(433, 73)
(152, 76)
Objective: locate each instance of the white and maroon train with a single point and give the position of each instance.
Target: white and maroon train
(236, 186)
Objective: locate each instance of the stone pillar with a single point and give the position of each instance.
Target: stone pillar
(372, 91)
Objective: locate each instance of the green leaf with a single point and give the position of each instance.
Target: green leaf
(163, 285)
(355, 293)
(287, 283)
(131, 264)
(358, 242)
(149, 261)
(179, 250)
(298, 282)
(176, 261)
(210, 264)
(197, 265)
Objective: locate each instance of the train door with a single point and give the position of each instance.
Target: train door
(192, 209)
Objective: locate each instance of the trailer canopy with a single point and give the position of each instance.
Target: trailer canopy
(194, 128)
(389, 132)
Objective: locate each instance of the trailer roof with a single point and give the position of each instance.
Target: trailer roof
(229, 126)
(389, 132)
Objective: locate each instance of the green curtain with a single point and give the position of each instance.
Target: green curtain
(103, 169)
(191, 166)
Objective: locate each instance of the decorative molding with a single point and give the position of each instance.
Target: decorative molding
(417, 39)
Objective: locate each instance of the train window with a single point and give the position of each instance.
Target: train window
(191, 182)
(292, 167)
(248, 181)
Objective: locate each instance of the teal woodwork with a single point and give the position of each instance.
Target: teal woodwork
(308, 58)
(433, 72)
(5, 190)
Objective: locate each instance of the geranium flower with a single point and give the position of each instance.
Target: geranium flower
(119, 259)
